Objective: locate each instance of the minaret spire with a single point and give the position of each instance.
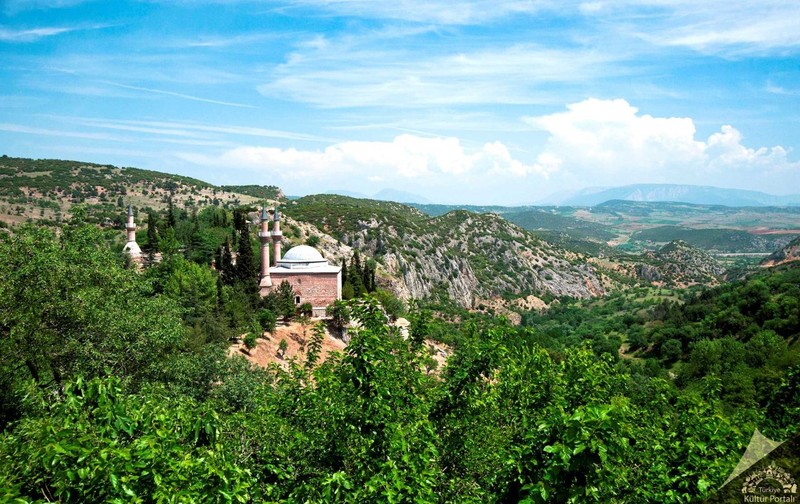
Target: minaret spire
(264, 235)
(131, 247)
(130, 227)
(277, 236)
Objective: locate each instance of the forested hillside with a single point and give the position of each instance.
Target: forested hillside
(113, 391)
(739, 338)
(45, 190)
(117, 384)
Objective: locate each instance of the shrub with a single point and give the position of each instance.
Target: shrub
(250, 341)
(267, 319)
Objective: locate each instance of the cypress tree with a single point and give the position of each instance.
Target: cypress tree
(152, 238)
(245, 261)
(224, 264)
(368, 275)
(356, 276)
(170, 213)
(245, 271)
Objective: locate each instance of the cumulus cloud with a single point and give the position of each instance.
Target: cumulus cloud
(592, 143)
(609, 142)
(404, 159)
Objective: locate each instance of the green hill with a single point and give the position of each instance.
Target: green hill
(717, 240)
(46, 189)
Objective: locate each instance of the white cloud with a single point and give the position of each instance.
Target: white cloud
(444, 12)
(185, 129)
(14, 6)
(180, 95)
(7, 35)
(34, 34)
(345, 74)
(593, 143)
(19, 128)
(406, 158)
(608, 142)
(709, 26)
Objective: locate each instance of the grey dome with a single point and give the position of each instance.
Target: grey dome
(303, 253)
(304, 260)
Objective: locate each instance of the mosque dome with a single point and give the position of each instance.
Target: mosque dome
(133, 249)
(302, 256)
(302, 253)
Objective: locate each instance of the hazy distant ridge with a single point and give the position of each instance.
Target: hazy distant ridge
(386, 194)
(701, 195)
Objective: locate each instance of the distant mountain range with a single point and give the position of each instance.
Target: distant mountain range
(700, 195)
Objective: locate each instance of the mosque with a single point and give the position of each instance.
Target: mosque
(313, 279)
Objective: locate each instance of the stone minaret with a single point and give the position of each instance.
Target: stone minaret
(132, 248)
(131, 226)
(264, 235)
(277, 236)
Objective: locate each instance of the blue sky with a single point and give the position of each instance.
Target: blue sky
(460, 101)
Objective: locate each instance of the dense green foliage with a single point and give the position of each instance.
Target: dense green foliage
(506, 421)
(539, 219)
(68, 308)
(116, 387)
(741, 338)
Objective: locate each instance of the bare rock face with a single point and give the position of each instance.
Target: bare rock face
(790, 252)
(465, 255)
(531, 303)
(678, 263)
(649, 272)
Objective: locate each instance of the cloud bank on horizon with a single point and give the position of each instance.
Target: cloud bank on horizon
(463, 101)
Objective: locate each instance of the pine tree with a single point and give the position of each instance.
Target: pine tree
(220, 296)
(193, 240)
(372, 285)
(380, 247)
(239, 220)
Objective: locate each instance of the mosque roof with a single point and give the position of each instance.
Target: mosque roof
(303, 253)
(305, 259)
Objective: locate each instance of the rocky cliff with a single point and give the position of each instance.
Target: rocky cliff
(679, 264)
(469, 255)
(791, 252)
